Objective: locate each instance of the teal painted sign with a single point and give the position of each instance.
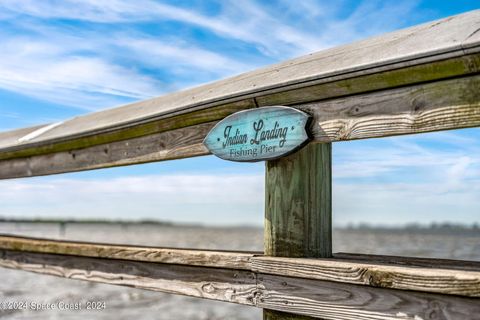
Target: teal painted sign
(259, 134)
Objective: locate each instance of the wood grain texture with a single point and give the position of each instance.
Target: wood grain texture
(434, 279)
(449, 39)
(442, 105)
(298, 203)
(392, 78)
(279, 315)
(470, 64)
(223, 284)
(409, 261)
(192, 257)
(298, 207)
(340, 301)
(429, 275)
(175, 144)
(72, 142)
(313, 298)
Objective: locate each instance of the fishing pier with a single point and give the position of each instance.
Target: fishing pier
(422, 79)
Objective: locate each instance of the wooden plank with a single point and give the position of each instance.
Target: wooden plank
(406, 273)
(10, 138)
(433, 279)
(443, 105)
(298, 207)
(313, 298)
(427, 44)
(340, 301)
(298, 204)
(392, 78)
(76, 141)
(175, 144)
(471, 41)
(224, 284)
(409, 261)
(11, 148)
(192, 257)
(275, 315)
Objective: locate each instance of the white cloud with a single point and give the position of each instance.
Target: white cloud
(12, 115)
(103, 11)
(249, 21)
(395, 203)
(421, 178)
(52, 67)
(214, 199)
(410, 182)
(356, 159)
(457, 173)
(246, 21)
(369, 18)
(94, 68)
(52, 72)
(159, 53)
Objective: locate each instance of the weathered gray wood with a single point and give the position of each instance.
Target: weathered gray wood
(339, 301)
(169, 145)
(443, 38)
(421, 274)
(436, 50)
(442, 105)
(191, 257)
(298, 206)
(223, 284)
(21, 138)
(390, 78)
(279, 315)
(409, 261)
(325, 299)
(434, 279)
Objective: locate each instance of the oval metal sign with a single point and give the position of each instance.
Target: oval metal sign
(259, 134)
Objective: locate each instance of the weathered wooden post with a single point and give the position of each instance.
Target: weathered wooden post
(298, 196)
(298, 206)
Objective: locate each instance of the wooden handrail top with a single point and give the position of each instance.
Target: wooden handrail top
(451, 37)
(421, 79)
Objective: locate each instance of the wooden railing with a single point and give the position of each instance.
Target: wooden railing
(421, 79)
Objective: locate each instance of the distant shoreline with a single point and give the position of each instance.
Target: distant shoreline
(412, 227)
(119, 222)
(85, 221)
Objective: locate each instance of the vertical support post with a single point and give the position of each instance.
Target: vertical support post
(298, 208)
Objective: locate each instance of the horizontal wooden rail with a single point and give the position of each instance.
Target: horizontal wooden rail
(326, 288)
(420, 79)
(224, 284)
(428, 275)
(371, 273)
(205, 258)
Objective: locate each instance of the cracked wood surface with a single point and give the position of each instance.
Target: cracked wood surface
(314, 298)
(451, 277)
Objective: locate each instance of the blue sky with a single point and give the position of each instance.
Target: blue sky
(60, 59)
